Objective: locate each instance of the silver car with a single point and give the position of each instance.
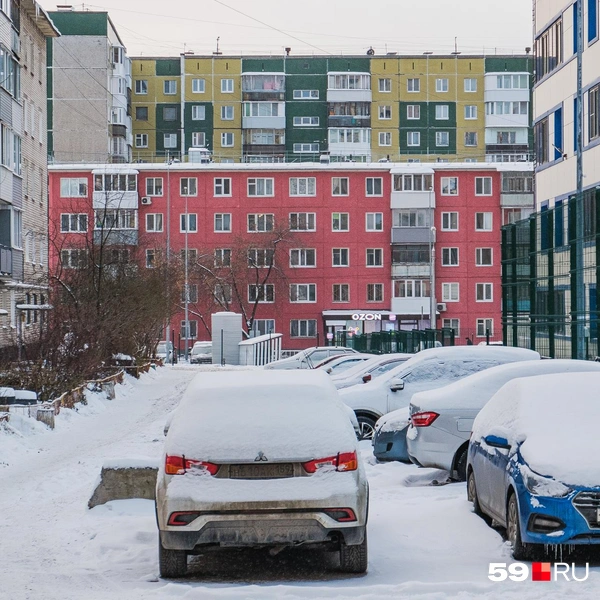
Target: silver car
(441, 419)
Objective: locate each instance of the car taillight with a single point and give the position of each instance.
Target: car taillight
(178, 465)
(341, 515)
(423, 419)
(182, 518)
(344, 461)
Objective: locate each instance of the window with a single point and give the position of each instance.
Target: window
(154, 222)
(227, 113)
(385, 138)
(413, 183)
(73, 258)
(73, 223)
(450, 292)
(124, 218)
(483, 292)
(222, 257)
(441, 85)
(303, 328)
(340, 221)
(413, 112)
(261, 293)
(150, 258)
(261, 222)
(483, 186)
(192, 293)
(306, 121)
(263, 326)
(260, 186)
(306, 94)
(385, 113)
(188, 186)
(198, 139)
(169, 113)
(303, 257)
(517, 184)
(303, 186)
(548, 49)
(412, 218)
(303, 292)
(223, 294)
(413, 85)
(470, 84)
(339, 186)
(375, 292)
(348, 81)
(260, 258)
(449, 221)
(485, 326)
(385, 85)
(442, 139)
(141, 87)
(510, 82)
(356, 135)
(262, 109)
(341, 292)
(374, 186)
(154, 186)
(306, 147)
(141, 140)
(191, 331)
(188, 222)
(222, 186)
(470, 112)
(223, 222)
(170, 140)
(374, 221)
(141, 113)
(483, 221)
(226, 140)
(198, 86)
(483, 257)
(506, 137)
(413, 138)
(594, 113)
(198, 112)
(470, 138)
(442, 112)
(453, 324)
(73, 187)
(227, 86)
(170, 87)
(450, 257)
(449, 186)
(410, 253)
(542, 141)
(411, 288)
(303, 221)
(374, 257)
(340, 257)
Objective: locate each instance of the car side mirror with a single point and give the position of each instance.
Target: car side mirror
(396, 385)
(496, 441)
(366, 378)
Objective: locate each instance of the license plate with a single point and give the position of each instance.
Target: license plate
(598, 515)
(274, 471)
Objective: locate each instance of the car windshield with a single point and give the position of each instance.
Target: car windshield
(202, 350)
(161, 348)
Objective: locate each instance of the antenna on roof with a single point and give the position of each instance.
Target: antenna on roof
(217, 53)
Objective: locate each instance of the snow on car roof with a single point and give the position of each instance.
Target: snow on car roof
(296, 415)
(556, 418)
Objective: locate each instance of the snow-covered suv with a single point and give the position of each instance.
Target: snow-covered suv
(309, 357)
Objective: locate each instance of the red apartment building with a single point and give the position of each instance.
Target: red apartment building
(360, 257)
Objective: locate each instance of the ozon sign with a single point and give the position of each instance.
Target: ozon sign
(366, 317)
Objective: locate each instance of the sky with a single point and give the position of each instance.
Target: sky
(156, 28)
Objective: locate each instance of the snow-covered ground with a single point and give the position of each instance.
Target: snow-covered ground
(424, 540)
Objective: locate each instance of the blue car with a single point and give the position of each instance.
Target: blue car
(534, 470)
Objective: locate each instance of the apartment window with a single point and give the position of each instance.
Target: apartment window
(470, 84)
(222, 257)
(303, 257)
(226, 140)
(263, 326)
(124, 218)
(385, 138)
(303, 186)
(74, 258)
(449, 221)
(198, 139)
(485, 326)
(517, 184)
(594, 113)
(169, 113)
(141, 87)
(453, 324)
(542, 141)
(413, 183)
(303, 221)
(306, 121)
(154, 186)
(506, 137)
(510, 82)
(450, 257)
(222, 186)
(413, 138)
(413, 112)
(188, 186)
(385, 85)
(483, 257)
(190, 294)
(170, 140)
(223, 222)
(442, 139)
(548, 49)
(303, 292)
(470, 112)
(70, 223)
(198, 112)
(191, 255)
(261, 293)
(374, 221)
(339, 186)
(340, 221)
(356, 135)
(260, 186)
(411, 288)
(340, 257)
(227, 113)
(188, 222)
(227, 86)
(412, 218)
(375, 292)
(347, 81)
(306, 94)
(441, 85)
(306, 147)
(198, 86)
(483, 221)
(73, 187)
(191, 331)
(170, 87)
(483, 186)
(260, 258)
(442, 112)
(483, 292)
(141, 140)
(341, 292)
(303, 328)
(449, 186)
(150, 258)
(470, 138)
(223, 294)
(374, 257)
(374, 186)
(385, 113)
(450, 292)
(413, 84)
(261, 222)
(154, 222)
(141, 113)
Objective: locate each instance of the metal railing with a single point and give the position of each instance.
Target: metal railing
(386, 342)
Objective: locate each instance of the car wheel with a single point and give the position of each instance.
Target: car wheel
(354, 559)
(472, 494)
(366, 427)
(171, 563)
(521, 551)
(461, 464)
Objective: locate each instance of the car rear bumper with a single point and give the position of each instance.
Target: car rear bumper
(432, 447)
(391, 445)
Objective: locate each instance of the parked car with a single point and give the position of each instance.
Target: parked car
(426, 370)
(247, 464)
(369, 369)
(441, 420)
(533, 462)
(309, 357)
(201, 353)
(337, 364)
(164, 350)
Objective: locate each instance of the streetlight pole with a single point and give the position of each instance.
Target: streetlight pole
(432, 301)
(168, 249)
(186, 285)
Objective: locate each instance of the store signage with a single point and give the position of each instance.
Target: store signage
(366, 317)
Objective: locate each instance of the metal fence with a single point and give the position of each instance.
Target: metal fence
(385, 342)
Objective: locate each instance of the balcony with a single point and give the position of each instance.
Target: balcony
(273, 122)
(263, 87)
(411, 306)
(517, 200)
(6, 266)
(348, 121)
(411, 270)
(264, 149)
(119, 130)
(411, 235)
(349, 87)
(412, 200)
(116, 237)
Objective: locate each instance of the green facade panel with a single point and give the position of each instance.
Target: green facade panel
(167, 126)
(497, 64)
(350, 63)
(268, 65)
(167, 66)
(428, 126)
(80, 23)
(304, 65)
(205, 125)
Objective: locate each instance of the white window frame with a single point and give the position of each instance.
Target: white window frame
(385, 138)
(485, 323)
(156, 189)
(222, 186)
(198, 85)
(375, 184)
(486, 226)
(169, 141)
(451, 291)
(306, 121)
(468, 84)
(305, 328)
(198, 139)
(340, 183)
(376, 256)
(74, 187)
(307, 290)
(342, 253)
(410, 138)
(308, 184)
(485, 290)
(225, 137)
(74, 223)
(374, 221)
(308, 217)
(470, 112)
(226, 86)
(442, 112)
(306, 94)
(447, 221)
(442, 85)
(222, 223)
(413, 112)
(260, 222)
(448, 253)
(169, 84)
(442, 139)
(141, 140)
(188, 222)
(254, 185)
(483, 186)
(141, 87)
(154, 222)
(452, 323)
(449, 186)
(303, 258)
(341, 217)
(227, 112)
(385, 112)
(385, 85)
(191, 188)
(198, 112)
(265, 293)
(413, 85)
(479, 257)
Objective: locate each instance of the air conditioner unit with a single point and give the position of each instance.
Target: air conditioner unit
(441, 306)
(146, 200)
